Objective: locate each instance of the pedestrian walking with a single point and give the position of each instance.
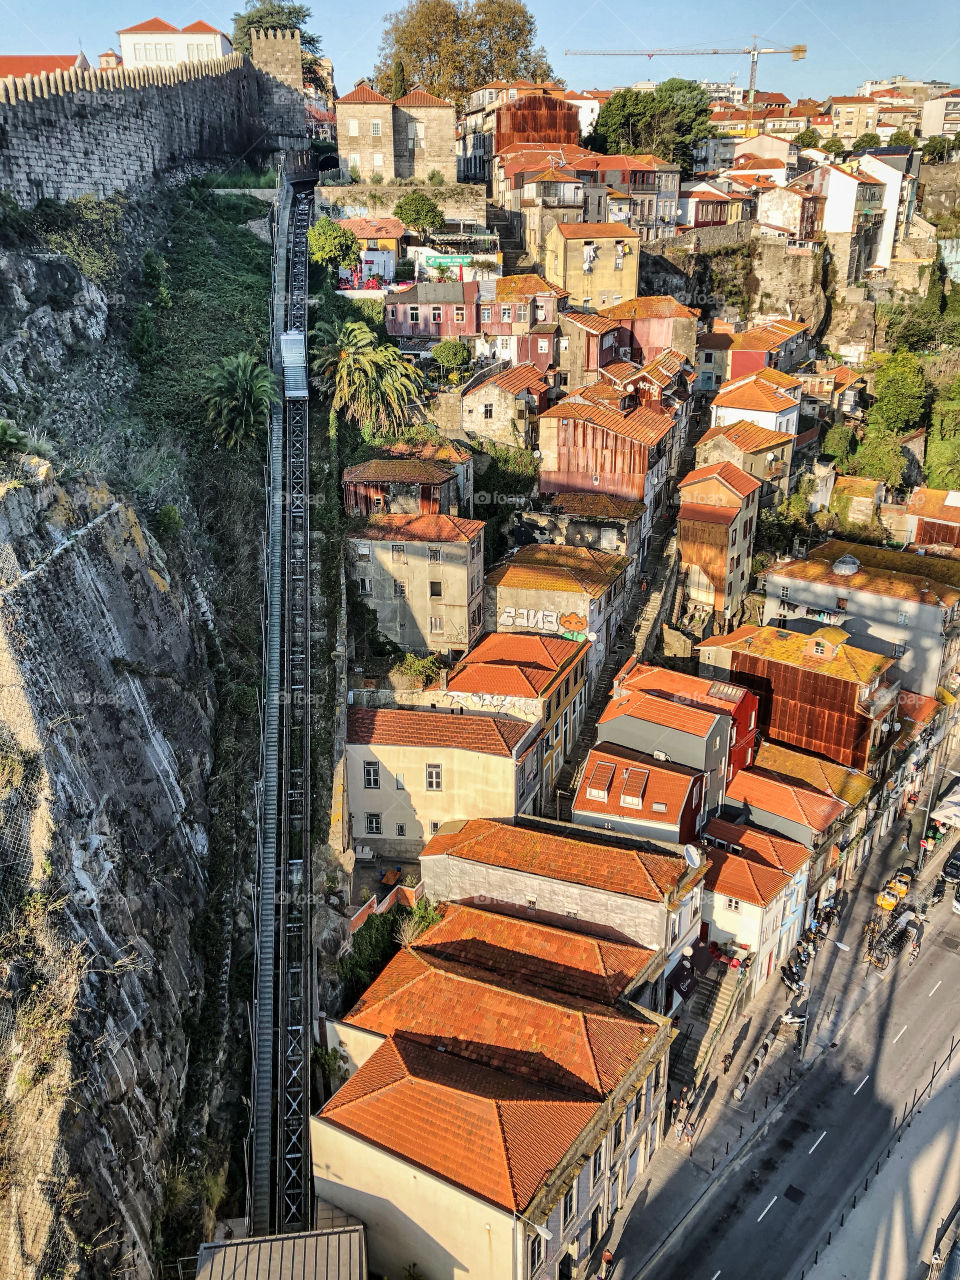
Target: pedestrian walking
(727, 1062)
(688, 1133)
(606, 1260)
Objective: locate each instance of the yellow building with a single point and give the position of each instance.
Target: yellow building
(595, 262)
(377, 233)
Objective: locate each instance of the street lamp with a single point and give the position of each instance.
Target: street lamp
(842, 946)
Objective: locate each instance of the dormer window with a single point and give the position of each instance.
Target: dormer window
(598, 786)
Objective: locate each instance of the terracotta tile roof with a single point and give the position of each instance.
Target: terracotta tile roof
(777, 378)
(647, 423)
(509, 288)
(664, 712)
(775, 851)
(427, 528)
(655, 307)
(858, 487)
(486, 735)
(758, 162)
(844, 661)
(397, 471)
(686, 689)
(637, 777)
(756, 394)
(727, 473)
(374, 228)
(514, 666)
(363, 94)
(152, 24)
(491, 1133)
(420, 98)
(831, 779)
(767, 337)
(635, 873)
(697, 512)
(748, 437)
(869, 102)
(440, 449)
(714, 341)
(936, 504)
(36, 64)
(662, 369)
(587, 320)
(933, 568)
(731, 876)
(598, 506)
(202, 26)
(893, 583)
(595, 969)
(596, 231)
(769, 794)
(566, 570)
(620, 371)
(584, 1047)
(518, 378)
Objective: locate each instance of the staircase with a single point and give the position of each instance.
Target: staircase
(515, 259)
(707, 1011)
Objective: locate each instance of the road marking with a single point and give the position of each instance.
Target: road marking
(860, 1085)
(765, 1212)
(817, 1143)
(714, 1276)
(899, 1034)
(940, 983)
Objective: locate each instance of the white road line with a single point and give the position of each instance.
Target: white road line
(817, 1143)
(860, 1085)
(766, 1211)
(940, 983)
(714, 1276)
(898, 1035)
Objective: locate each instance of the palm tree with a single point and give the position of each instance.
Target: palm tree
(370, 383)
(238, 393)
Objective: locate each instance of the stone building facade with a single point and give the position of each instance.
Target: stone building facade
(409, 138)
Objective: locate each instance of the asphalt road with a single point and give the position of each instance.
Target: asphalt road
(764, 1217)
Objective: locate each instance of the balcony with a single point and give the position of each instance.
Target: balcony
(883, 697)
(832, 617)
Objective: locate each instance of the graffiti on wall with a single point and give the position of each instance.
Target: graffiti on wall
(571, 626)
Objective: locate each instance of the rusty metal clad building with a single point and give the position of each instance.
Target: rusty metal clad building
(536, 118)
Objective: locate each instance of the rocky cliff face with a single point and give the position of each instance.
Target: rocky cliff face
(106, 713)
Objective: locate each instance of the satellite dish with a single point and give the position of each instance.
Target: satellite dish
(692, 855)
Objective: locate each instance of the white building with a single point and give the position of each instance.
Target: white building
(156, 43)
(768, 397)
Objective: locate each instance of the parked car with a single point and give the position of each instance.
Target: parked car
(939, 889)
(951, 869)
(956, 899)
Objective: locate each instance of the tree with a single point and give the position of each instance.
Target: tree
(838, 444)
(399, 86)
(808, 138)
(936, 149)
(666, 122)
(451, 47)
(238, 393)
(902, 138)
(866, 141)
(833, 146)
(373, 385)
(881, 457)
(333, 245)
(417, 210)
(275, 15)
(451, 354)
(901, 393)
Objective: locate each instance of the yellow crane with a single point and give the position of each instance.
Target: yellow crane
(796, 51)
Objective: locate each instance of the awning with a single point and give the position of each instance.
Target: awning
(948, 806)
(683, 979)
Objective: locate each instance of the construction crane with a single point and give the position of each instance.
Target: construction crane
(796, 51)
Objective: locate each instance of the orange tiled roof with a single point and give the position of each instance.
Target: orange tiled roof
(655, 307)
(767, 337)
(374, 228)
(510, 288)
(599, 506)
(935, 504)
(633, 775)
(620, 371)
(756, 394)
(493, 1134)
(770, 795)
(386, 527)
(363, 94)
(635, 873)
(518, 378)
(731, 876)
(487, 735)
(896, 562)
(515, 666)
(777, 378)
(585, 1047)
(438, 449)
(420, 98)
(647, 423)
(700, 512)
(151, 24)
(589, 321)
(567, 570)
(668, 714)
(894, 583)
(17, 65)
(397, 471)
(678, 686)
(662, 369)
(748, 436)
(749, 842)
(596, 231)
(727, 472)
(834, 780)
(561, 959)
(203, 27)
(844, 660)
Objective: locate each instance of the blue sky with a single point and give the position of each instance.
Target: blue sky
(847, 43)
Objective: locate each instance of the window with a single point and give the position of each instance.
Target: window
(365, 586)
(138, 52)
(784, 593)
(363, 551)
(487, 412)
(399, 779)
(476, 616)
(434, 555)
(536, 1253)
(434, 777)
(569, 1204)
(841, 602)
(597, 1165)
(708, 357)
(353, 128)
(373, 824)
(371, 775)
(354, 160)
(375, 128)
(899, 649)
(434, 828)
(504, 342)
(436, 626)
(459, 315)
(414, 315)
(398, 553)
(399, 589)
(506, 313)
(170, 52)
(401, 829)
(436, 590)
(543, 345)
(733, 904)
(436, 314)
(484, 313)
(378, 159)
(521, 311)
(587, 301)
(617, 1132)
(902, 617)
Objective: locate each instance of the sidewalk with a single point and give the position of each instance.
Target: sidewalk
(672, 1186)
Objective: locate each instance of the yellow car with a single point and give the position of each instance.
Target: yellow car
(887, 899)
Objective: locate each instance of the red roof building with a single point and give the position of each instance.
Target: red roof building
(719, 505)
(635, 794)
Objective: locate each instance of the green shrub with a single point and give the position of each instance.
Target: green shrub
(167, 523)
(354, 173)
(435, 178)
(377, 179)
(144, 344)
